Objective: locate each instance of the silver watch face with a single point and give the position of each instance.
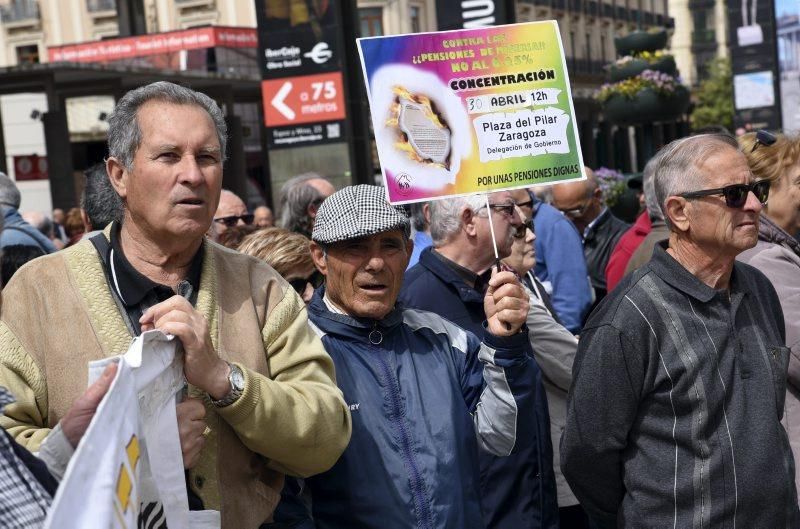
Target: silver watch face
(237, 378)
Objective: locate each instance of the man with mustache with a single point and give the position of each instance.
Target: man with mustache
(674, 415)
(263, 401)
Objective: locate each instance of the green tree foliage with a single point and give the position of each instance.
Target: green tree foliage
(714, 97)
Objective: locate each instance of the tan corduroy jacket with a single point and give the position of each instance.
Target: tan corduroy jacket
(58, 314)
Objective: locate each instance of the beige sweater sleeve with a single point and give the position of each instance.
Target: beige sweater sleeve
(24, 419)
(297, 418)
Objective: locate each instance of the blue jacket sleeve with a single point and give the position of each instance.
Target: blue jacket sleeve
(560, 250)
(499, 383)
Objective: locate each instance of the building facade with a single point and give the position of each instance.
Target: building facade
(28, 28)
(701, 35)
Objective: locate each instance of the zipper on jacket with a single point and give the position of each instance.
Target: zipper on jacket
(424, 518)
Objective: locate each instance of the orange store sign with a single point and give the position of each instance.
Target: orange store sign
(303, 99)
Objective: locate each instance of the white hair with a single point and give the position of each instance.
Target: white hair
(446, 216)
(676, 167)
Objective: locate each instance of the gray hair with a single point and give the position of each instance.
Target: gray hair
(676, 167)
(9, 192)
(295, 197)
(100, 200)
(649, 190)
(124, 134)
(446, 216)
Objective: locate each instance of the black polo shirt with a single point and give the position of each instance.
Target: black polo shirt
(138, 293)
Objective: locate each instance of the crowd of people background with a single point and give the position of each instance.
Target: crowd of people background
(370, 365)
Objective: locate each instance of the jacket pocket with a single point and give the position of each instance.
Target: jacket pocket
(779, 361)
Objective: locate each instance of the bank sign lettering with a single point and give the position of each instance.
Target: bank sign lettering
(471, 111)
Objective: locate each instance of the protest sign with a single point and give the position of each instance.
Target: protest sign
(471, 111)
(127, 470)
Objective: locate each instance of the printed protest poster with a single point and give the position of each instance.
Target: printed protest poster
(471, 111)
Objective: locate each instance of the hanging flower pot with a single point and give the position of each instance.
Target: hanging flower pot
(629, 68)
(638, 41)
(650, 96)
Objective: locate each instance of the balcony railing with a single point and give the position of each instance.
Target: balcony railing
(96, 6)
(19, 11)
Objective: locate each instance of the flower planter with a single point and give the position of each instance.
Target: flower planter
(640, 41)
(633, 68)
(629, 69)
(646, 107)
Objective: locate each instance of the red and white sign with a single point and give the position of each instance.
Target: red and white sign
(30, 167)
(125, 48)
(303, 99)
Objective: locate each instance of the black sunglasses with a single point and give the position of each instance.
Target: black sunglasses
(763, 138)
(233, 220)
(519, 231)
(736, 194)
(299, 285)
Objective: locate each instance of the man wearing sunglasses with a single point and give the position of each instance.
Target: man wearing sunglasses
(674, 415)
(231, 212)
(451, 280)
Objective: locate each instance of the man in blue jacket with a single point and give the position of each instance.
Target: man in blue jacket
(560, 264)
(518, 492)
(425, 396)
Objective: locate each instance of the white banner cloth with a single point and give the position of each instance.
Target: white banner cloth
(127, 471)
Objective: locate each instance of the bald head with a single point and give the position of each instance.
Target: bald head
(230, 205)
(580, 201)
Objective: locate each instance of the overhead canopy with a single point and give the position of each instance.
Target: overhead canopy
(60, 81)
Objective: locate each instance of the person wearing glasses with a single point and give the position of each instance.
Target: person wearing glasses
(231, 212)
(777, 252)
(451, 280)
(674, 415)
(289, 254)
(582, 203)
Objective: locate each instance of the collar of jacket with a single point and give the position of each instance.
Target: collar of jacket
(596, 224)
(671, 271)
(332, 323)
(768, 231)
(449, 276)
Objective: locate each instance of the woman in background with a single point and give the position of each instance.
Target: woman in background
(777, 253)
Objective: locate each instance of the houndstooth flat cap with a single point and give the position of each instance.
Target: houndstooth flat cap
(357, 211)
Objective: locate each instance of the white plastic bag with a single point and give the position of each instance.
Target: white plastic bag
(127, 471)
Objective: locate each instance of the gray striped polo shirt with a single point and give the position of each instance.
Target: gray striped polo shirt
(674, 413)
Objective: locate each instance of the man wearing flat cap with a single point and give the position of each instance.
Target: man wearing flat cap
(424, 394)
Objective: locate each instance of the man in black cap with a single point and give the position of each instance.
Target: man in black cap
(424, 394)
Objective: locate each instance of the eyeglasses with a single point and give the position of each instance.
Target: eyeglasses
(763, 138)
(315, 279)
(233, 220)
(507, 209)
(736, 194)
(526, 204)
(576, 212)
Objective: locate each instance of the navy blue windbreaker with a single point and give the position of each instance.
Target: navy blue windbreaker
(425, 396)
(519, 491)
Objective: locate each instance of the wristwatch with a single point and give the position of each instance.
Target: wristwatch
(236, 379)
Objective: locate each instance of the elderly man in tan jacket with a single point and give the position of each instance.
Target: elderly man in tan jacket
(263, 399)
